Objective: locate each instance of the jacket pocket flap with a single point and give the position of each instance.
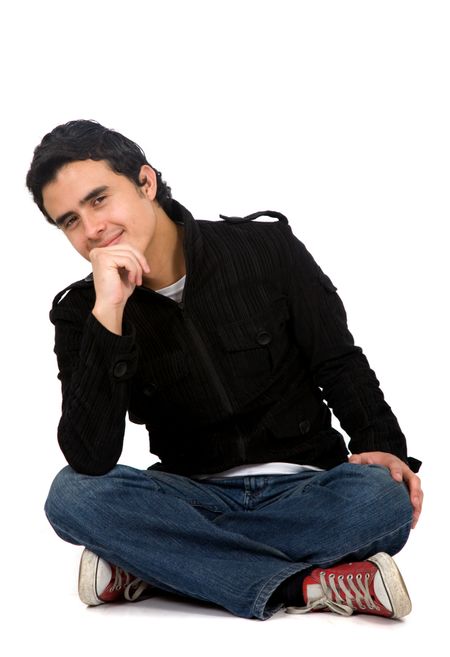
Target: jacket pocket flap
(255, 332)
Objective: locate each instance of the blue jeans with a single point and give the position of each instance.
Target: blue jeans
(230, 541)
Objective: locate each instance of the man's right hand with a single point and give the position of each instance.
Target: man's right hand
(117, 270)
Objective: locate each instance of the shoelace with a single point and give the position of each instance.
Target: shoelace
(138, 584)
(356, 595)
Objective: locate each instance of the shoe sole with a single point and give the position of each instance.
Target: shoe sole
(87, 577)
(394, 584)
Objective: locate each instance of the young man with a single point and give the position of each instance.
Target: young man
(224, 339)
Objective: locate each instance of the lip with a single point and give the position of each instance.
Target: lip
(111, 240)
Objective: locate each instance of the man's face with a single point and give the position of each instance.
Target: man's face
(97, 207)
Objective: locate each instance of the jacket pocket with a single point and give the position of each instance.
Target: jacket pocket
(256, 346)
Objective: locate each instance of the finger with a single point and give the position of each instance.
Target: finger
(124, 249)
(396, 472)
(126, 276)
(414, 485)
(416, 495)
(135, 276)
(117, 259)
(417, 510)
(363, 459)
(137, 265)
(128, 265)
(141, 259)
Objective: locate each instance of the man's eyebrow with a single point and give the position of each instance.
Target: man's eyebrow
(92, 194)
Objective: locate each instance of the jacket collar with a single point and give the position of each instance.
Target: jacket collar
(193, 241)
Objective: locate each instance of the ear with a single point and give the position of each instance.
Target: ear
(148, 175)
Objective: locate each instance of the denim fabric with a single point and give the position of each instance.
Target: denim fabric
(230, 541)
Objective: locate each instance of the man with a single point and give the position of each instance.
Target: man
(224, 339)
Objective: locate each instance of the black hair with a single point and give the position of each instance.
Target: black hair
(88, 140)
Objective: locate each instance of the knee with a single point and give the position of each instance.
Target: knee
(373, 486)
(389, 495)
(379, 508)
(64, 489)
(73, 493)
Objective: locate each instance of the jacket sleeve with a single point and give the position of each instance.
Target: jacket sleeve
(95, 369)
(337, 365)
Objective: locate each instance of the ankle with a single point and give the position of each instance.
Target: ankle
(290, 591)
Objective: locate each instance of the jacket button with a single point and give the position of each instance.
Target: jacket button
(304, 426)
(263, 338)
(120, 369)
(149, 389)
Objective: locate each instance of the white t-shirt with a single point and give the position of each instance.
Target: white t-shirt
(174, 291)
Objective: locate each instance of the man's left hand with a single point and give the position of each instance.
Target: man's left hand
(399, 471)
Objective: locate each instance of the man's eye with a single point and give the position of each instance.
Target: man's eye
(69, 223)
(98, 199)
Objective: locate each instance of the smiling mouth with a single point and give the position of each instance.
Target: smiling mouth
(113, 240)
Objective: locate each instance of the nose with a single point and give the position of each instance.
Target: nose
(94, 226)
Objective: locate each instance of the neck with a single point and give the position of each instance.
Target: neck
(165, 254)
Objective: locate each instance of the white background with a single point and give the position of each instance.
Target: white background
(333, 112)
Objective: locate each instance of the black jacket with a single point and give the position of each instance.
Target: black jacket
(236, 373)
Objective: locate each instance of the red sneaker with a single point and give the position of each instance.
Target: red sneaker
(374, 587)
(100, 581)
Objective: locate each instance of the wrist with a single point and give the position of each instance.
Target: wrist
(111, 317)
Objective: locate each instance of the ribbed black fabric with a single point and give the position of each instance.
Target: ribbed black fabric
(236, 373)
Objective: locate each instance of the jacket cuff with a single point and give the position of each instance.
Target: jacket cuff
(414, 464)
